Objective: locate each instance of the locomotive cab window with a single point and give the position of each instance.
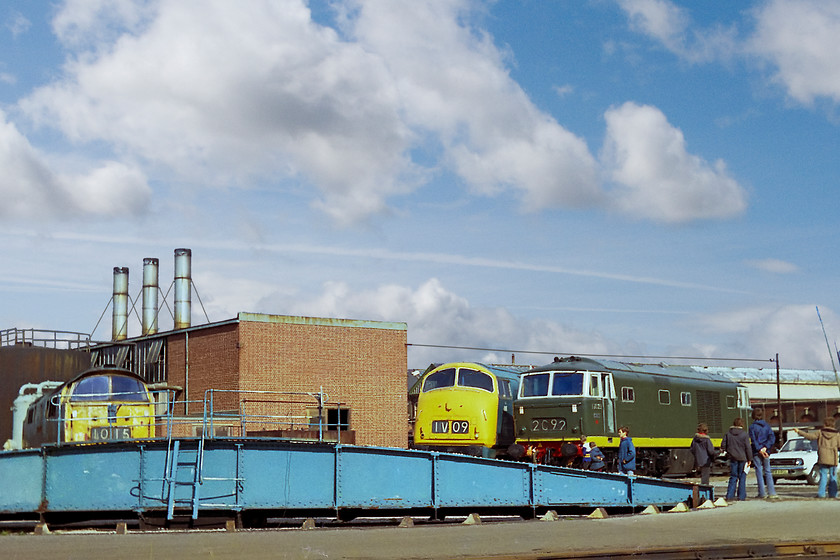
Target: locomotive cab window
(438, 379)
(504, 388)
(91, 389)
(52, 408)
(628, 394)
(595, 385)
(685, 398)
(128, 389)
(473, 378)
(730, 401)
(664, 396)
(535, 385)
(567, 384)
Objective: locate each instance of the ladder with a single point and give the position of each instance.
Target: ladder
(183, 469)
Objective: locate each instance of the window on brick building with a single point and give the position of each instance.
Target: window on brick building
(338, 419)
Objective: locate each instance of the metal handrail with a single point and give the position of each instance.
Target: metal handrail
(45, 338)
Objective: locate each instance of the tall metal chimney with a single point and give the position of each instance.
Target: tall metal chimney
(150, 296)
(183, 287)
(119, 328)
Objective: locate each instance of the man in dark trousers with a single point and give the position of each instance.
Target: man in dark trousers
(736, 444)
(763, 438)
(704, 452)
(626, 452)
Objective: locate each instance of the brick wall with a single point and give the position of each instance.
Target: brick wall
(213, 364)
(356, 364)
(361, 364)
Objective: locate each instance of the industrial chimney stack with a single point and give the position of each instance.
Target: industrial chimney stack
(183, 288)
(150, 296)
(119, 328)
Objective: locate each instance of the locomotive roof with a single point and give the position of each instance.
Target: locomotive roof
(576, 363)
(507, 371)
(97, 371)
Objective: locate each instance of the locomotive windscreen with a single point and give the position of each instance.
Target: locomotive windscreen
(438, 379)
(110, 388)
(473, 378)
(562, 384)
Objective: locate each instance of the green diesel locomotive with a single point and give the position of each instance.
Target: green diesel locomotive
(662, 404)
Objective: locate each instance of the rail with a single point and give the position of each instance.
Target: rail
(294, 416)
(66, 340)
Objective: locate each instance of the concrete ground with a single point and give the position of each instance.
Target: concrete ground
(795, 518)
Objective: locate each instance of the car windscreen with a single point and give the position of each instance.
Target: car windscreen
(800, 444)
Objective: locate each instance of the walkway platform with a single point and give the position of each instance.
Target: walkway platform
(255, 479)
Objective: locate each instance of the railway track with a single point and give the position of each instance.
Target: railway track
(710, 552)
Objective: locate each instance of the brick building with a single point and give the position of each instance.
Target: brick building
(359, 364)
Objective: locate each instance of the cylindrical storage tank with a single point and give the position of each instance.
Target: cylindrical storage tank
(119, 323)
(183, 287)
(150, 296)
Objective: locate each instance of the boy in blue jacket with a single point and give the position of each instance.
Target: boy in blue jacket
(626, 452)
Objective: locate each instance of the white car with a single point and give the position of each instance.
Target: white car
(797, 459)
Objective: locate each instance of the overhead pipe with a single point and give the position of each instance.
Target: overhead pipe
(119, 323)
(183, 288)
(150, 295)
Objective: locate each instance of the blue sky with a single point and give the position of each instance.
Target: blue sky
(612, 177)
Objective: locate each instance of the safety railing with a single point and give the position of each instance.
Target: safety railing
(100, 418)
(45, 338)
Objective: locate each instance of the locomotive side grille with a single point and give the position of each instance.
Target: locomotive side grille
(708, 410)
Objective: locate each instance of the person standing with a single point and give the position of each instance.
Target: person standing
(763, 438)
(626, 452)
(736, 444)
(828, 443)
(597, 457)
(704, 452)
(586, 457)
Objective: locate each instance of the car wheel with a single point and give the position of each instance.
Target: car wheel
(814, 476)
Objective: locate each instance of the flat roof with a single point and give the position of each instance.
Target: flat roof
(321, 321)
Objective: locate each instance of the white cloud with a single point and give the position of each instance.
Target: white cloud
(17, 24)
(792, 331)
(221, 93)
(91, 22)
(774, 265)
(32, 188)
(660, 19)
(453, 82)
(437, 316)
(800, 39)
(180, 85)
(671, 25)
(657, 177)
